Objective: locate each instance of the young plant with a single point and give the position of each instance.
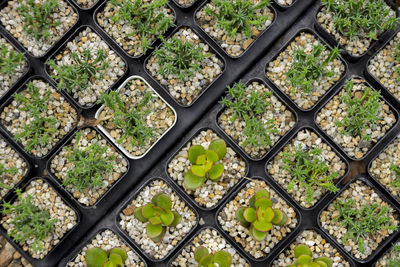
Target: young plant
(97, 257)
(159, 216)
(7, 172)
(362, 112)
(259, 217)
(309, 67)
(38, 131)
(307, 168)
(249, 109)
(363, 221)
(145, 18)
(179, 57)
(205, 164)
(396, 181)
(38, 17)
(9, 60)
(29, 222)
(85, 69)
(304, 258)
(206, 259)
(353, 17)
(238, 16)
(395, 261)
(90, 164)
(397, 60)
(130, 119)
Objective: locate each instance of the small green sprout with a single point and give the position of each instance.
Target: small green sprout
(159, 215)
(304, 258)
(396, 181)
(307, 168)
(29, 221)
(205, 164)
(180, 58)
(259, 217)
(395, 261)
(9, 60)
(97, 257)
(309, 67)
(85, 69)
(38, 17)
(7, 172)
(362, 112)
(206, 259)
(363, 221)
(238, 16)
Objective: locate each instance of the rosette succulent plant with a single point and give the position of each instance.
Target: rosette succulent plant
(205, 258)
(159, 215)
(205, 164)
(96, 257)
(304, 258)
(260, 216)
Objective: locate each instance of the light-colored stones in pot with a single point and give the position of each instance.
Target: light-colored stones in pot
(86, 3)
(285, 3)
(210, 193)
(137, 230)
(45, 198)
(392, 254)
(185, 3)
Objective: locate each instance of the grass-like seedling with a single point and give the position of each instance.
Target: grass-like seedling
(249, 108)
(362, 111)
(159, 216)
(90, 164)
(9, 60)
(30, 222)
(303, 257)
(238, 16)
(7, 172)
(353, 17)
(307, 168)
(206, 259)
(362, 221)
(180, 58)
(38, 131)
(395, 261)
(84, 69)
(145, 18)
(204, 164)
(259, 217)
(97, 257)
(309, 67)
(396, 181)
(38, 17)
(130, 119)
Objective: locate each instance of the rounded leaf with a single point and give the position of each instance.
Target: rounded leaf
(154, 230)
(280, 217)
(160, 237)
(109, 264)
(257, 235)
(265, 214)
(208, 165)
(304, 259)
(223, 258)
(262, 226)
(302, 250)
(177, 219)
(201, 159)
(198, 170)
(250, 214)
(194, 152)
(155, 220)
(219, 146)
(328, 261)
(216, 172)
(252, 201)
(116, 259)
(261, 193)
(96, 257)
(167, 217)
(120, 251)
(212, 155)
(138, 214)
(319, 264)
(192, 181)
(240, 216)
(206, 260)
(264, 202)
(200, 252)
(148, 210)
(162, 200)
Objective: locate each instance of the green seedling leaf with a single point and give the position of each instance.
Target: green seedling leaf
(206, 260)
(154, 231)
(116, 259)
(263, 202)
(216, 172)
(320, 264)
(148, 211)
(302, 250)
(138, 214)
(162, 200)
(261, 193)
(208, 165)
(212, 155)
(280, 217)
(121, 252)
(257, 235)
(201, 159)
(219, 146)
(155, 220)
(194, 152)
(252, 201)
(265, 214)
(177, 219)
(192, 181)
(160, 237)
(167, 218)
(200, 252)
(250, 215)
(262, 226)
(327, 261)
(223, 259)
(96, 257)
(240, 216)
(198, 170)
(304, 259)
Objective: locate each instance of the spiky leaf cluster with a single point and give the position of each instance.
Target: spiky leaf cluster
(238, 16)
(159, 216)
(97, 257)
(10, 60)
(259, 217)
(303, 257)
(206, 259)
(394, 261)
(204, 164)
(396, 181)
(7, 172)
(29, 221)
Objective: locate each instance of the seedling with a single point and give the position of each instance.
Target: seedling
(397, 60)
(130, 119)
(38, 131)
(179, 57)
(304, 258)
(159, 216)
(309, 170)
(395, 261)
(204, 258)
(250, 108)
(308, 67)
(362, 221)
(259, 217)
(8, 173)
(239, 16)
(89, 165)
(352, 18)
(204, 164)
(362, 111)
(97, 257)
(396, 181)
(9, 60)
(29, 222)
(85, 69)
(38, 17)
(146, 19)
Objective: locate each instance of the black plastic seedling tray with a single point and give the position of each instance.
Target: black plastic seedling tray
(203, 114)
